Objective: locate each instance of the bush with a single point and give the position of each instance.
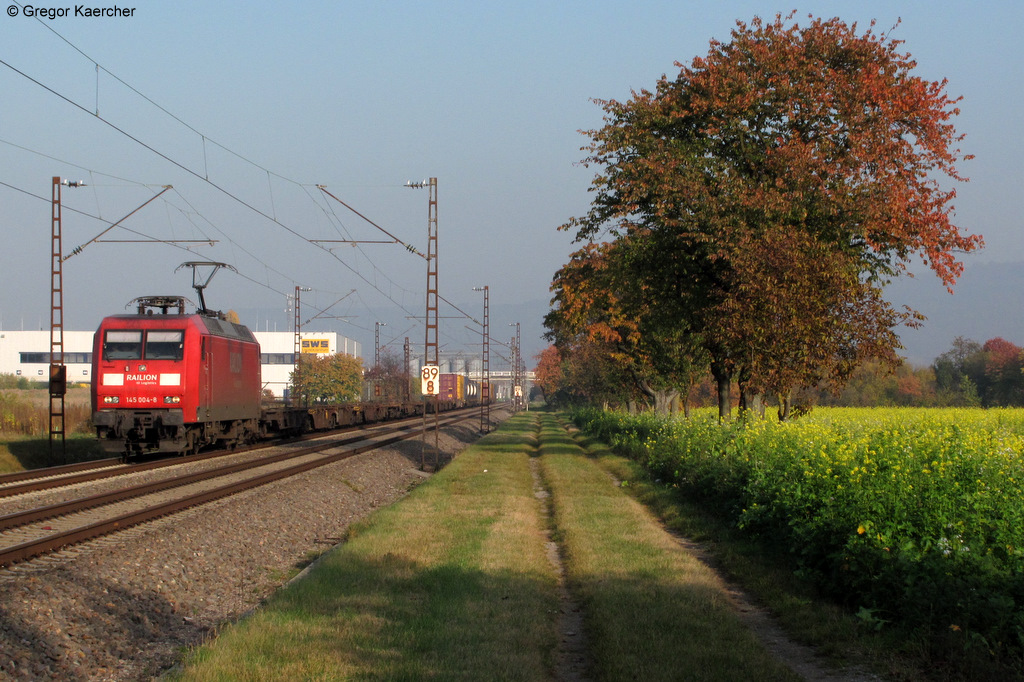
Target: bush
(915, 517)
(10, 381)
(22, 417)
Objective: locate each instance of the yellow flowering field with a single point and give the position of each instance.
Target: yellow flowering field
(909, 516)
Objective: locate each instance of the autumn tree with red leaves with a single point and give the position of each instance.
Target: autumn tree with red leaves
(758, 202)
(1004, 373)
(548, 372)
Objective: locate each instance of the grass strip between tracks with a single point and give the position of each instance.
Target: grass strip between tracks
(453, 582)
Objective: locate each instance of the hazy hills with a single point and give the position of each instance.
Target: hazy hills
(986, 303)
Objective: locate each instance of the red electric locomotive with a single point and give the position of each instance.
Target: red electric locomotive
(172, 382)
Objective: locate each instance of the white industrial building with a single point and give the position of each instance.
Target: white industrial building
(27, 354)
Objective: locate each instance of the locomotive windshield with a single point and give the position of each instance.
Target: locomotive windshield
(122, 345)
(165, 345)
(127, 344)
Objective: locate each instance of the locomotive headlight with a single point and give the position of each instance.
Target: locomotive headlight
(111, 399)
(172, 399)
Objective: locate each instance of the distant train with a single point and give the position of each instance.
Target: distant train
(172, 382)
(455, 388)
(459, 388)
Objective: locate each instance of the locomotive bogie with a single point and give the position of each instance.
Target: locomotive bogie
(140, 431)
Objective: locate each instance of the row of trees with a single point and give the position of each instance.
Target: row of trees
(969, 374)
(748, 213)
(989, 374)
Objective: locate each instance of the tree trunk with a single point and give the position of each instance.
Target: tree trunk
(663, 401)
(662, 398)
(784, 405)
(750, 401)
(723, 378)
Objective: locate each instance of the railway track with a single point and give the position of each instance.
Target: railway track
(35, 532)
(53, 477)
(37, 480)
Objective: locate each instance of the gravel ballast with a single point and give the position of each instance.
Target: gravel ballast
(128, 607)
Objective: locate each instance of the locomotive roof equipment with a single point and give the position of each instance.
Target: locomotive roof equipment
(146, 304)
(200, 286)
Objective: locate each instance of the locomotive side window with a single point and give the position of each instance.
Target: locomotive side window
(165, 345)
(122, 345)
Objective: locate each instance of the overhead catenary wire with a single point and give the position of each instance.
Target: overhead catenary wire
(99, 217)
(240, 274)
(71, 209)
(211, 183)
(408, 247)
(195, 174)
(156, 151)
(205, 138)
(90, 215)
(78, 249)
(324, 311)
(272, 216)
(99, 67)
(78, 166)
(357, 244)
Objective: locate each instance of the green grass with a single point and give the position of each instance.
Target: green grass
(844, 486)
(653, 611)
(20, 453)
(762, 570)
(452, 583)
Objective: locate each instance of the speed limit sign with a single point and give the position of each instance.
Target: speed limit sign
(429, 374)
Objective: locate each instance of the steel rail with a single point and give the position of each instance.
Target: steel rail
(36, 480)
(27, 516)
(46, 472)
(33, 548)
(53, 477)
(94, 474)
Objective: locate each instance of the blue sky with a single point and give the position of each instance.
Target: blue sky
(259, 102)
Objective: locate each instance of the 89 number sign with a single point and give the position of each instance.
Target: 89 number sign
(430, 374)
